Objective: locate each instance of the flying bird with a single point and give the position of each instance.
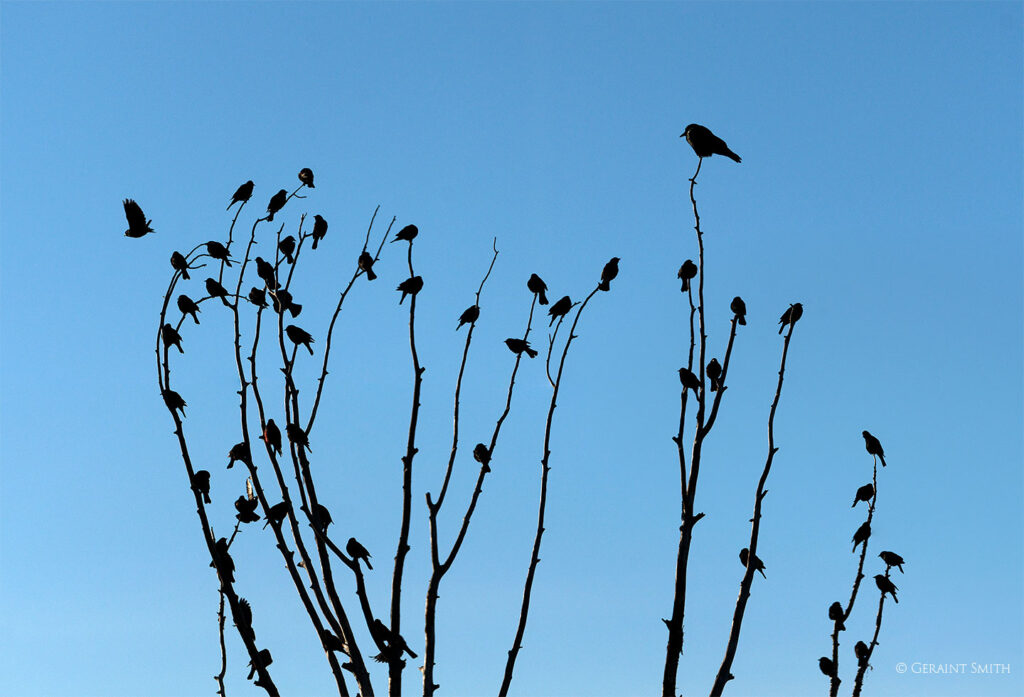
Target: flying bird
(410, 286)
(366, 264)
(174, 401)
(178, 263)
(201, 484)
(357, 552)
(171, 337)
(862, 535)
(469, 315)
(758, 564)
(218, 251)
(277, 202)
(873, 447)
(790, 316)
(705, 143)
(306, 177)
(892, 559)
(188, 307)
(537, 286)
(216, 290)
(886, 586)
(608, 274)
(714, 373)
(319, 229)
(688, 380)
(864, 493)
(243, 194)
(835, 613)
(298, 336)
(287, 247)
(138, 226)
(517, 346)
(687, 272)
(272, 436)
(406, 234)
(560, 309)
(739, 308)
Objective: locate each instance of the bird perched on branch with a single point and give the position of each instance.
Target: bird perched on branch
(357, 552)
(517, 346)
(366, 263)
(138, 226)
(860, 650)
(276, 513)
(406, 234)
(216, 290)
(319, 229)
(201, 484)
(873, 447)
(298, 436)
(688, 380)
(263, 660)
(297, 335)
(608, 274)
(482, 454)
(243, 618)
(218, 251)
(306, 177)
(862, 535)
(790, 316)
(864, 493)
(560, 309)
(265, 270)
(886, 586)
(178, 263)
(277, 202)
(171, 337)
(257, 297)
(835, 613)
(537, 286)
(243, 194)
(246, 508)
(222, 561)
(272, 436)
(321, 518)
(739, 308)
(283, 302)
(469, 315)
(827, 666)
(714, 373)
(174, 401)
(239, 453)
(410, 286)
(391, 645)
(758, 564)
(687, 272)
(287, 247)
(705, 143)
(892, 559)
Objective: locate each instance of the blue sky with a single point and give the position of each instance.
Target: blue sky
(880, 185)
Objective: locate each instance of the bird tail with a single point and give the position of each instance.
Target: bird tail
(543, 298)
(762, 573)
(310, 347)
(882, 458)
(532, 353)
(233, 202)
(781, 327)
(184, 274)
(686, 285)
(370, 275)
(270, 218)
(731, 155)
(604, 285)
(740, 319)
(401, 299)
(368, 564)
(315, 240)
(295, 309)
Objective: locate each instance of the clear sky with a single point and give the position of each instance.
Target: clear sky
(880, 185)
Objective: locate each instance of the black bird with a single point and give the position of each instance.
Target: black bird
(306, 177)
(287, 247)
(410, 286)
(333, 643)
(218, 251)
(366, 264)
(216, 290)
(608, 274)
(277, 202)
(321, 518)
(862, 535)
(298, 436)
(357, 552)
(714, 373)
(705, 143)
(201, 484)
(174, 401)
(298, 336)
(835, 613)
(537, 286)
(257, 297)
(272, 436)
(243, 618)
(790, 316)
(864, 493)
(222, 561)
(469, 315)
(873, 446)
(319, 229)
(276, 513)
(687, 272)
(243, 194)
(138, 226)
(688, 380)
(517, 346)
(283, 302)
(892, 559)
(860, 649)
(263, 658)
(827, 666)
(886, 586)
(391, 645)
(178, 263)
(560, 309)
(740, 309)
(407, 234)
(239, 453)
(265, 270)
(171, 337)
(758, 564)
(246, 508)
(482, 454)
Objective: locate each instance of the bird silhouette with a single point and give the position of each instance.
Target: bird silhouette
(517, 346)
(560, 309)
(272, 436)
(276, 513)
(366, 264)
(188, 307)
(892, 559)
(277, 202)
(222, 561)
(688, 380)
(174, 401)
(827, 666)
(790, 316)
(243, 194)
(739, 308)
(171, 337)
(321, 518)
(482, 454)
(407, 234)
(873, 447)
(860, 650)
(257, 297)
(410, 286)
(138, 226)
(758, 564)
(216, 290)
(319, 229)
(283, 302)
(298, 336)
(263, 659)
(537, 286)
(201, 484)
(239, 453)
(178, 263)
(864, 493)
(391, 645)
(246, 509)
(287, 247)
(265, 270)
(306, 177)
(714, 373)
(218, 251)
(357, 552)
(297, 436)
(687, 272)
(705, 143)
(243, 618)
(835, 613)
(469, 315)
(886, 586)
(862, 535)
(608, 274)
